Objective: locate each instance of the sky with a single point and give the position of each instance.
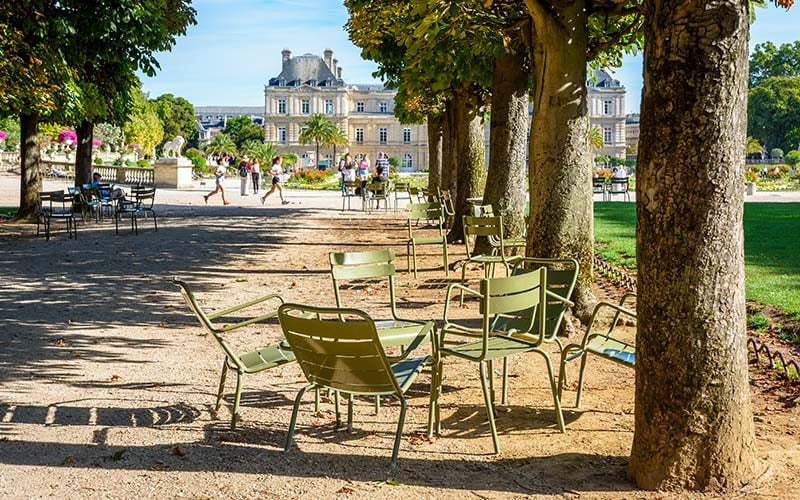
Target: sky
(235, 48)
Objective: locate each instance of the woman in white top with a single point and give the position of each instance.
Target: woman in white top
(276, 172)
(220, 180)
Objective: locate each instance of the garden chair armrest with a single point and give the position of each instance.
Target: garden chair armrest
(428, 332)
(560, 298)
(600, 305)
(625, 297)
(248, 304)
(456, 286)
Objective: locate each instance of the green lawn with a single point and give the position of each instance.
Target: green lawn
(771, 248)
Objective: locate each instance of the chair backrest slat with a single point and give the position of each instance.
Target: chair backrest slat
(430, 211)
(337, 348)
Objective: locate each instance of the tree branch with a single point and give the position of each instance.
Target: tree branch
(593, 50)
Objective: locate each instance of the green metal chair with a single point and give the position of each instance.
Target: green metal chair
(251, 362)
(444, 197)
(375, 193)
(340, 350)
(488, 211)
(512, 298)
(433, 213)
(406, 334)
(561, 277)
(400, 189)
(599, 343)
(56, 206)
(489, 227)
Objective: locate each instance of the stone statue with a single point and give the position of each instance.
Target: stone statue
(173, 148)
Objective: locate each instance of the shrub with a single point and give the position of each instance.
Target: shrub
(792, 157)
(311, 176)
(117, 162)
(776, 153)
(395, 161)
(98, 161)
(143, 164)
(130, 163)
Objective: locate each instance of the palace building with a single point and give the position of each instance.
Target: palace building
(309, 84)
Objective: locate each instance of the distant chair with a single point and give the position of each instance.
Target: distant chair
(431, 212)
(599, 187)
(619, 186)
(140, 202)
(56, 206)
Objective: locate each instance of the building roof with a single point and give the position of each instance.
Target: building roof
(229, 110)
(602, 79)
(307, 69)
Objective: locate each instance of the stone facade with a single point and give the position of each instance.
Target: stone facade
(607, 112)
(311, 84)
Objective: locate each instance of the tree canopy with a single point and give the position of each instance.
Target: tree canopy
(767, 61)
(241, 129)
(773, 112)
(177, 118)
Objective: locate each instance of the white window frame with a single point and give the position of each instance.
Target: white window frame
(359, 135)
(383, 135)
(328, 106)
(407, 161)
(608, 135)
(608, 107)
(305, 106)
(360, 107)
(281, 106)
(281, 134)
(406, 135)
(383, 107)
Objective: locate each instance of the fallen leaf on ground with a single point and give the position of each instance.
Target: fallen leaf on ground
(241, 280)
(69, 459)
(178, 452)
(345, 490)
(114, 378)
(163, 324)
(60, 341)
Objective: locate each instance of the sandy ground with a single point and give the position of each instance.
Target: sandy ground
(107, 386)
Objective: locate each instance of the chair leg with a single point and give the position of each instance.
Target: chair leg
(399, 434)
(580, 381)
(155, 222)
(554, 389)
(349, 413)
(414, 252)
(377, 405)
(221, 384)
(444, 251)
(463, 280)
(504, 390)
(316, 399)
(293, 421)
(490, 369)
(489, 407)
(336, 409)
(236, 399)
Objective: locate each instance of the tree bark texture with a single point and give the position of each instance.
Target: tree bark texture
(30, 181)
(83, 155)
(470, 159)
(449, 154)
(560, 173)
(505, 184)
(435, 124)
(694, 426)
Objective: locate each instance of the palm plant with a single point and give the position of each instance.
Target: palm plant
(753, 146)
(221, 145)
(317, 129)
(263, 152)
(337, 138)
(289, 159)
(596, 138)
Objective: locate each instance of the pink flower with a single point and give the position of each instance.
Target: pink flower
(96, 143)
(3, 135)
(66, 134)
(134, 146)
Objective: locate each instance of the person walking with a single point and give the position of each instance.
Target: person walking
(220, 180)
(244, 173)
(277, 171)
(382, 161)
(255, 173)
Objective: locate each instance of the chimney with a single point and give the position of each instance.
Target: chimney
(286, 54)
(339, 73)
(333, 68)
(329, 58)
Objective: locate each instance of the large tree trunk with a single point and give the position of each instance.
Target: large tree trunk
(30, 181)
(435, 124)
(694, 425)
(83, 155)
(449, 179)
(505, 185)
(561, 218)
(470, 158)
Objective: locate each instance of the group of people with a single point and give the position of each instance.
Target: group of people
(352, 170)
(252, 171)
